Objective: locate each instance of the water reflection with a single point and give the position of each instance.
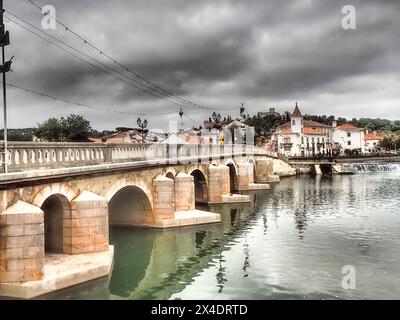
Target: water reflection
(290, 242)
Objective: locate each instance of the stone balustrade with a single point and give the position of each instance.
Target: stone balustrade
(28, 156)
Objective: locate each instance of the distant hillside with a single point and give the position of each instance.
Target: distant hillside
(25, 134)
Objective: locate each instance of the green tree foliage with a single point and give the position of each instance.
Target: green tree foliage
(264, 126)
(50, 130)
(73, 128)
(25, 134)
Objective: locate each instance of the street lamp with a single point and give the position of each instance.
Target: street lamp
(142, 126)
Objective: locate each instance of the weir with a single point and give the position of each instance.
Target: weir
(372, 167)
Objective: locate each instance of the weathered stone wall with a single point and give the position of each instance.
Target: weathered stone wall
(164, 198)
(245, 175)
(184, 192)
(21, 243)
(218, 183)
(265, 171)
(282, 169)
(86, 230)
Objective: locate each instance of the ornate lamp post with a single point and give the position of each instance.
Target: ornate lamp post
(142, 126)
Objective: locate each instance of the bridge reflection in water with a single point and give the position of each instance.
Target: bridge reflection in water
(155, 264)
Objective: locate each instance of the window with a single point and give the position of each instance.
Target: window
(294, 122)
(349, 143)
(349, 134)
(302, 140)
(323, 140)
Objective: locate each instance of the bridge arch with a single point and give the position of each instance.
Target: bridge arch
(252, 161)
(57, 209)
(170, 175)
(130, 206)
(200, 186)
(170, 172)
(130, 203)
(46, 192)
(125, 182)
(233, 175)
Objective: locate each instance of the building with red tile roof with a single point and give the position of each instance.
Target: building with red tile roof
(372, 142)
(349, 137)
(299, 137)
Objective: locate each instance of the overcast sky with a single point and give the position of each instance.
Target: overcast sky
(265, 53)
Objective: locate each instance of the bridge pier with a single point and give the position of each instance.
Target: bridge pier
(184, 192)
(164, 198)
(246, 178)
(21, 243)
(219, 188)
(265, 171)
(27, 270)
(86, 229)
(174, 203)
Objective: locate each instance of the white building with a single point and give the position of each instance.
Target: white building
(301, 137)
(372, 142)
(349, 137)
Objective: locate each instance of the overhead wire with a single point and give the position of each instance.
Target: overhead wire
(125, 68)
(85, 105)
(95, 66)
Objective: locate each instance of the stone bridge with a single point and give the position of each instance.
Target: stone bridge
(59, 200)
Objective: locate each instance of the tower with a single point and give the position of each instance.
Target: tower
(296, 121)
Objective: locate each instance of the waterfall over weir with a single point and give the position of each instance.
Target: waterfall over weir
(372, 167)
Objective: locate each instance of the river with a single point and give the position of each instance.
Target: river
(291, 242)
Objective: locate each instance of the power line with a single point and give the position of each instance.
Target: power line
(125, 68)
(86, 105)
(191, 119)
(95, 66)
(87, 56)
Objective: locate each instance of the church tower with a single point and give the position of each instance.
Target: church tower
(296, 121)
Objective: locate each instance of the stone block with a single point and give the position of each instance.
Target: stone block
(21, 243)
(89, 218)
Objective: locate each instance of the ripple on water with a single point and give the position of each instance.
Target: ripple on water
(292, 245)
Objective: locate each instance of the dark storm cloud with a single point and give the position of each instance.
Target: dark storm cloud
(219, 53)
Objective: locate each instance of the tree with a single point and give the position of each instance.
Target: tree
(72, 128)
(216, 117)
(75, 128)
(50, 130)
